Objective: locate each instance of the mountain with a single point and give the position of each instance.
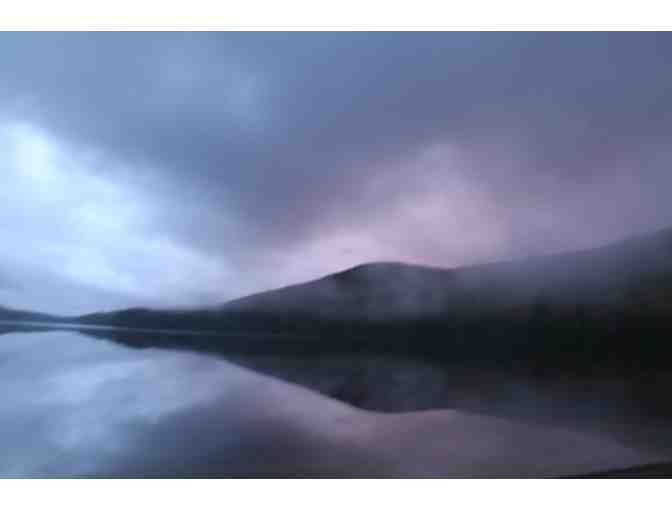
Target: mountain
(9, 314)
(600, 315)
(373, 291)
(595, 313)
(604, 309)
(635, 272)
(633, 275)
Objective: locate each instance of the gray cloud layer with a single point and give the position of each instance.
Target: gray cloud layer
(235, 162)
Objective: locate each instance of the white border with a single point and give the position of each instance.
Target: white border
(336, 495)
(341, 15)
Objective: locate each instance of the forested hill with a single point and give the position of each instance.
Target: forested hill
(631, 277)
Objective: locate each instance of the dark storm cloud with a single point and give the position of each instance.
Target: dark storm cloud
(307, 152)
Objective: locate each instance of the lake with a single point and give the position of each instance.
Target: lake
(80, 406)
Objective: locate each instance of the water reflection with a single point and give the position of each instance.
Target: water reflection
(75, 405)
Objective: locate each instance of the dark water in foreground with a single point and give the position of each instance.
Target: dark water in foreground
(74, 405)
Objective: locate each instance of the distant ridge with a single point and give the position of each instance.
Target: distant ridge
(10, 314)
(600, 314)
(634, 274)
(635, 271)
(367, 291)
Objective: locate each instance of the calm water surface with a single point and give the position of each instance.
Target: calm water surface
(75, 405)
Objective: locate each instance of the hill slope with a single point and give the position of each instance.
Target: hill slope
(9, 314)
(634, 275)
(595, 315)
(637, 271)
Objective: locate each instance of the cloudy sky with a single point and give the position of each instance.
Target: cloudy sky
(185, 169)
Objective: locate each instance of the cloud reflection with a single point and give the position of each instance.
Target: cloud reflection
(74, 406)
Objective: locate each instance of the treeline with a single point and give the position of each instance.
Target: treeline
(543, 342)
(541, 339)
